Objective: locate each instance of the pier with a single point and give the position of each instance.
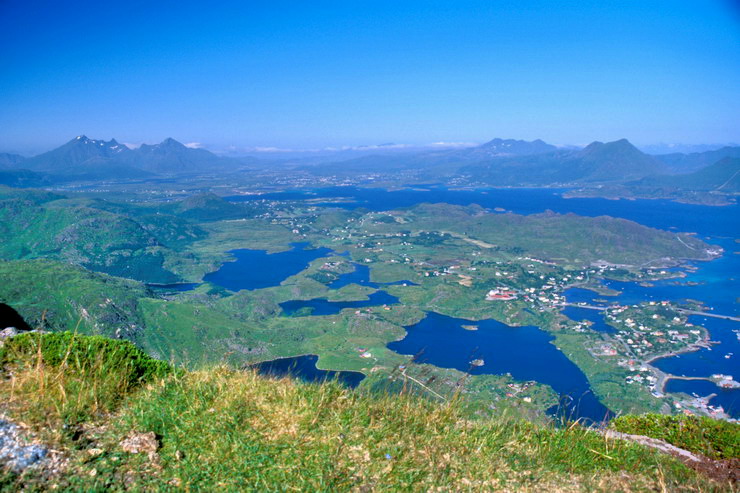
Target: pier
(680, 310)
(706, 314)
(587, 307)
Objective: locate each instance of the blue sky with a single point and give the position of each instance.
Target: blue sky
(313, 74)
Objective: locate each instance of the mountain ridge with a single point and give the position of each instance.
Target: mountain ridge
(724, 175)
(85, 158)
(687, 163)
(10, 161)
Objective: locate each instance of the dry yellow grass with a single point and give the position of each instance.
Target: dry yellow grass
(235, 430)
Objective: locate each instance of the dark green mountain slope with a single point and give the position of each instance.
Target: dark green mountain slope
(22, 178)
(54, 295)
(10, 161)
(722, 176)
(30, 195)
(35, 224)
(208, 207)
(552, 236)
(686, 163)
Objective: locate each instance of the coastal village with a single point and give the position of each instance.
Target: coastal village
(630, 338)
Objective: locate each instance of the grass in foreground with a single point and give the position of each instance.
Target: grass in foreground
(709, 437)
(62, 379)
(221, 429)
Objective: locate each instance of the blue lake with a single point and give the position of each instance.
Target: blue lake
(304, 368)
(179, 287)
(524, 352)
(719, 280)
(579, 314)
(257, 269)
(321, 306)
(361, 276)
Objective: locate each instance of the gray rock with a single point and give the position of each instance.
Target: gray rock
(8, 332)
(14, 453)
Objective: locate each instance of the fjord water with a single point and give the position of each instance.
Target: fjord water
(322, 306)
(361, 275)
(716, 285)
(580, 314)
(179, 287)
(257, 269)
(718, 280)
(304, 368)
(524, 352)
(663, 214)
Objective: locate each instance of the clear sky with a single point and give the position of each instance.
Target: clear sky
(314, 73)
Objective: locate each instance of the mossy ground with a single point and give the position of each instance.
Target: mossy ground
(221, 429)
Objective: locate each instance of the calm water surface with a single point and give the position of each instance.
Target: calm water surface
(257, 269)
(718, 286)
(663, 214)
(361, 276)
(321, 306)
(524, 352)
(304, 368)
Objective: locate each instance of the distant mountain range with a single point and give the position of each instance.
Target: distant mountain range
(83, 158)
(8, 161)
(716, 184)
(686, 163)
(170, 156)
(506, 147)
(722, 176)
(86, 159)
(661, 149)
(596, 163)
(499, 162)
(516, 163)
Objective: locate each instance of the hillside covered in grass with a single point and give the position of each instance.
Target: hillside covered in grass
(112, 418)
(81, 262)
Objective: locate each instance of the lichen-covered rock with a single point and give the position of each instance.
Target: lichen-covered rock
(136, 443)
(8, 332)
(14, 452)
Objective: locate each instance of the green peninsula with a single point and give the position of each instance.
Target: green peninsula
(85, 263)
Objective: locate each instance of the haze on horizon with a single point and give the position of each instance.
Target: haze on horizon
(298, 75)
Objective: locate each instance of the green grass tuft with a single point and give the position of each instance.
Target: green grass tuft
(86, 353)
(66, 377)
(219, 429)
(709, 437)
